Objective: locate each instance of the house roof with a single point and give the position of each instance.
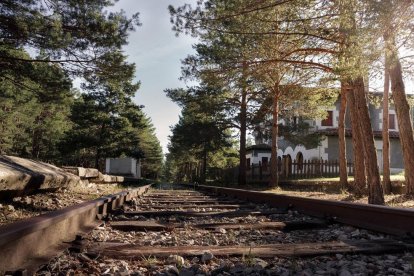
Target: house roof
(348, 133)
(259, 147)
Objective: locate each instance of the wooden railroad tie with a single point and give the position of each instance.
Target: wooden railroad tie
(178, 201)
(238, 213)
(159, 226)
(187, 206)
(132, 251)
(178, 197)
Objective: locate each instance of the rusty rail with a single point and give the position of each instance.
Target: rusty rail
(25, 243)
(395, 221)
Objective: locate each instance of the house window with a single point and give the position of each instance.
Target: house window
(248, 163)
(391, 121)
(329, 119)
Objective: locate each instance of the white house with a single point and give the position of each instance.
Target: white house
(328, 149)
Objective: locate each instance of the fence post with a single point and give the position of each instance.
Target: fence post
(260, 170)
(294, 170)
(321, 167)
(329, 167)
(336, 166)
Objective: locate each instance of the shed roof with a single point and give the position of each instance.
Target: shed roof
(259, 147)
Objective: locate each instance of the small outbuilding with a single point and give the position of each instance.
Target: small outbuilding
(258, 153)
(126, 166)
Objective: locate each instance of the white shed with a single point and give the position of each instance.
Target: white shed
(123, 166)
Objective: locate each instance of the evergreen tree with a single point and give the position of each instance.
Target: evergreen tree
(74, 34)
(201, 135)
(35, 111)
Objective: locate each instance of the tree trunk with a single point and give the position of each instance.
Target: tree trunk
(97, 157)
(36, 138)
(243, 127)
(274, 173)
(347, 28)
(204, 178)
(375, 192)
(360, 181)
(343, 172)
(386, 180)
(402, 109)
(98, 147)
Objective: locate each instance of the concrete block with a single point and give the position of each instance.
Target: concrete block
(90, 173)
(107, 178)
(19, 174)
(83, 172)
(102, 178)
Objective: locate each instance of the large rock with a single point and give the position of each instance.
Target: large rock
(25, 175)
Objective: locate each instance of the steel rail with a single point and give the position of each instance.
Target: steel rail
(25, 243)
(390, 220)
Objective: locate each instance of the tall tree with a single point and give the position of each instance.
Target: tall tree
(397, 12)
(219, 62)
(229, 24)
(97, 114)
(202, 129)
(343, 172)
(386, 178)
(352, 58)
(35, 111)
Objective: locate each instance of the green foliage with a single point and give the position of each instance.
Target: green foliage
(41, 115)
(102, 130)
(74, 34)
(201, 135)
(34, 114)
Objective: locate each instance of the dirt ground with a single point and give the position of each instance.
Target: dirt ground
(19, 208)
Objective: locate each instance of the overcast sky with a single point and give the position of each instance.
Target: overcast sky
(157, 52)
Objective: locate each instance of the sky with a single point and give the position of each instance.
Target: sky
(157, 52)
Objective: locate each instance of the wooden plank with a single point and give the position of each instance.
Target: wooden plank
(186, 206)
(127, 225)
(177, 197)
(138, 225)
(187, 213)
(174, 192)
(194, 202)
(284, 226)
(132, 251)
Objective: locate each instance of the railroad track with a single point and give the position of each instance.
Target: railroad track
(217, 231)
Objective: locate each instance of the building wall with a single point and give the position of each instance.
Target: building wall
(308, 154)
(374, 112)
(256, 156)
(396, 156)
(396, 161)
(335, 115)
(329, 148)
